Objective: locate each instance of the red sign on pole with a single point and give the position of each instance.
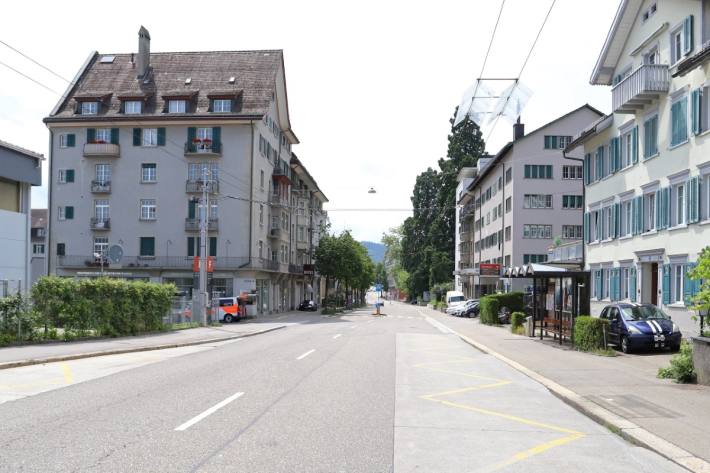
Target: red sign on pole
(489, 269)
(210, 264)
(196, 264)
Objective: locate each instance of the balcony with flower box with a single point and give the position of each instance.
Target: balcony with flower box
(203, 147)
(100, 223)
(101, 187)
(101, 149)
(194, 186)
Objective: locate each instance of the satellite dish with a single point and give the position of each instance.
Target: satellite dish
(115, 253)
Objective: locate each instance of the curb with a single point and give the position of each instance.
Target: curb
(626, 429)
(78, 356)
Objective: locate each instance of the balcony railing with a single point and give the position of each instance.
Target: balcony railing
(571, 252)
(102, 150)
(213, 148)
(275, 232)
(295, 269)
(101, 187)
(640, 88)
(282, 172)
(174, 262)
(466, 211)
(100, 223)
(276, 199)
(193, 224)
(194, 186)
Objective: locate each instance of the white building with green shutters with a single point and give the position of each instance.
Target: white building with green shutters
(647, 166)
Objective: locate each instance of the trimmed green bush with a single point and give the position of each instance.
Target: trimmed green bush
(517, 319)
(681, 369)
(589, 333)
(491, 304)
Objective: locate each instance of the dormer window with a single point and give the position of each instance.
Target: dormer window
(221, 105)
(89, 108)
(132, 107)
(177, 106)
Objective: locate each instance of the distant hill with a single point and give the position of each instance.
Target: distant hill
(376, 250)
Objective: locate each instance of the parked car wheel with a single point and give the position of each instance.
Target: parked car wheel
(675, 348)
(625, 348)
(229, 318)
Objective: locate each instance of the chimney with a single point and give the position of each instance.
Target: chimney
(518, 130)
(143, 61)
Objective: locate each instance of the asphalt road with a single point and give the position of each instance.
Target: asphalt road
(352, 394)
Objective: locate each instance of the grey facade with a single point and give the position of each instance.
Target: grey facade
(130, 172)
(521, 201)
(38, 235)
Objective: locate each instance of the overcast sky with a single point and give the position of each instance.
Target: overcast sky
(371, 84)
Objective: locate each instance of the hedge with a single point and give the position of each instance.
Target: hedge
(517, 319)
(111, 307)
(490, 305)
(589, 332)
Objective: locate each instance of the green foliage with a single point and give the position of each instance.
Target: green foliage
(589, 333)
(16, 318)
(701, 301)
(517, 319)
(681, 369)
(489, 308)
(381, 276)
(105, 306)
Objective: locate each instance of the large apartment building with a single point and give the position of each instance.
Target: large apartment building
(138, 138)
(647, 165)
(519, 203)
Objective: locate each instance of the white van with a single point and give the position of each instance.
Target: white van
(454, 298)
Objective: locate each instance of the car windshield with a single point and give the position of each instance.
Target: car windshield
(456, 299)
(643, 312)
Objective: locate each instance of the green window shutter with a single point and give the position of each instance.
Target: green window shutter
(114, 136)
(639, 215)
(137, 137)
(695, 111)
(688, 285)
(586, 168)
(191, 209)
(90, 135)
(190, 246)
(666, 284)
(527, 171)
(213, 246)
(161, 136)
(659, 209)
(549, 171)
(547, 142)
(147, 246)
(69, 212)
(635, 145)
(617, 153)
(586, 227)
(191, 135)
(693, 208)
(700, 197)
(666, 207)
(632, 285)
(71, 140)
(216, 135)
(69, 175)
(688, 34)
(612, 156)
(617, 220)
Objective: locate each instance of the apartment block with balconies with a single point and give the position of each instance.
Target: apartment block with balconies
(647, 169)
(139, 139)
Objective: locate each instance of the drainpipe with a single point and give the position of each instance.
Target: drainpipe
(502, 244)
(251, 191)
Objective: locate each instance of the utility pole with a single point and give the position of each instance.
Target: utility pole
(204, 225)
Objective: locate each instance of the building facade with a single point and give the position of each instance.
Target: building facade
(38, 235)
(136, 143)
(647, 165)
(520, 202)
(20, 169)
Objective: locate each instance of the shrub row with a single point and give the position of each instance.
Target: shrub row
(589, 333)
(681, 369)
(490, 305)
(110, 307)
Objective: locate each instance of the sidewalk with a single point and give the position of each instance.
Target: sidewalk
(48, 352)
(625, 385)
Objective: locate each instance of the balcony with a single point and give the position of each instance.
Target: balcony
(193, 224)
(175, 263)
(282, 173)
(202, 148)
(466, 211)
(302, 246)
(295, 269)
(102, 150)
(101, 187)
(277, 200)
(194, 186)
(640, 88)
(100, 223)
(571, 252)
(275, 232)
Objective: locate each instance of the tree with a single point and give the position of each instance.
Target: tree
(381, 276)
(701, 272)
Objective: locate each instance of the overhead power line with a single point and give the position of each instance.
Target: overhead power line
(36, 62)
(30, 78)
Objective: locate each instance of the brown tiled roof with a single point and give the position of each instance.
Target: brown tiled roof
(254, 85)
(39, 218)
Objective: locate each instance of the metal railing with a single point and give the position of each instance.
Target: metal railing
(275, 232)
(176, 262)
(193, 224)
(295, 269)
(101, 187)
(200, 147)
(101, 149)
(194, 186)
(100, 223)
(567, 252)
(282, 170)
(635, 89)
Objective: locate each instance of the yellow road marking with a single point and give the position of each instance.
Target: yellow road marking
(68, 376)
(570, 435)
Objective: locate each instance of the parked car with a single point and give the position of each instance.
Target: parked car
(229, 310)
(637, 326)
(460, 309)
(472, 310)
(308, 305)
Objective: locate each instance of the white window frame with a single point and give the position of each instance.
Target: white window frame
(606, 283)
(149, 137)
(103, 134)
(626, 217)
(572, 232)
(62, 176)
(677, 33)
(537, 201)
(100, 245)
(148, 209)
(63, 140)
(261, 215)
(103, 173)
(650, 212)
(177, 106)
(706, 193)
(149, 172)
(132, 107)
(679, 206)
(89, 108)
(222, 105)
(61, 213)
(627, 149)
(678, 280)
(102, 209)
(38, 249)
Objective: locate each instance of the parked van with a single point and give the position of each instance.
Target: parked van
(228, 309)
(454, 298)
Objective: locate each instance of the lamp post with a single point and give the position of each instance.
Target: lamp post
(702, 320)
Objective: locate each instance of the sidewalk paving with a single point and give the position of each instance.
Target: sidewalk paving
(626, 385)
(57, 351)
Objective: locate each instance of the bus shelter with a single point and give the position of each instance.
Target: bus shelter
(557, 296)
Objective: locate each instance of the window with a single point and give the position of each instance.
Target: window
(102, 135)
(650, 137)
(608, 224)
(177, 106)
(650, 212)
(607, 283)
(100, 247)
(571, 172)
(148, 209)
(89, 108)
(194, 247)
(147, 246)
(132, 107)
(38, 249)
(557, 142)
(150, 137)
(200, 171)
(534, 258)
(65, 175)
(678, 275)
(676, 45)
(65, 213)
(679, 121)
(538, 201)
(301, 233)
(261, 214)
(538, 171)
(261, 179)
(508, 204)
(537, 231)
(626, 218)
(488, 218)
(507, 233)
(652, 56)
(221, 105)
(679, 205)
(101, 210)
(148, 172)
(571, 201)
(627, 149)
(261, 249)
(67, 140)
(572, 232)
(508, 175)
(103, 173)
(705, 193)
(61, 249)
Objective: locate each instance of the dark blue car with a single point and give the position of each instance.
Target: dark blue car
(640, 326)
